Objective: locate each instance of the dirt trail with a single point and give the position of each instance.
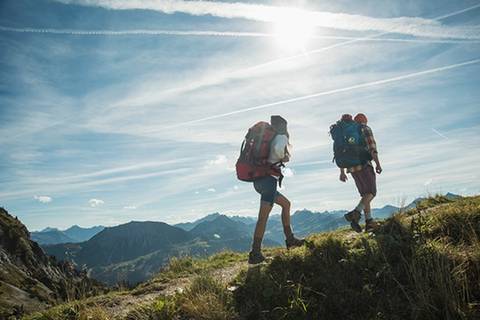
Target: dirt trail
(119, 306)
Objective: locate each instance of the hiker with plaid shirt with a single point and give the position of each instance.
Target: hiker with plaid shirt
(365, 180)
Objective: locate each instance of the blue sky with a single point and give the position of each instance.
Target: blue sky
(112, 111)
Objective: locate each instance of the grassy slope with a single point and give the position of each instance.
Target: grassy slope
(421, 264)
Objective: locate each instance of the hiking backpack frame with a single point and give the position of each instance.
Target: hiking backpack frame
(253, 161)
(349, 146)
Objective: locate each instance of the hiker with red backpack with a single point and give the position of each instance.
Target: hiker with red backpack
(354, 149)
(263, 154)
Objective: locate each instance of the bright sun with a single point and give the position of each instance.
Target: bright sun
(292, 33)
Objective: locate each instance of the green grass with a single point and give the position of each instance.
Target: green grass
(71, 311)
(421, 264)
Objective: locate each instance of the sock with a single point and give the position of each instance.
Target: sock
(257, 244)
(287, 230)
(360, 207)
(368, 216)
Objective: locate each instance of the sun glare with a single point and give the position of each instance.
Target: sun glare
(293, 32)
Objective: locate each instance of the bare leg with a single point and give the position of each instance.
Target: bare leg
(285, 204)
(366, 200)
(265, 209)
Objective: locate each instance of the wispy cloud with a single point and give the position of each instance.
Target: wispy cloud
(325, 93)
(405, 25)
(73, 186)
(250, 70)
(43, 199)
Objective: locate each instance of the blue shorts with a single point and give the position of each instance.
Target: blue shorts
(267, 187)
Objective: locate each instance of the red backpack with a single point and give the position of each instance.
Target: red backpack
(253, 161)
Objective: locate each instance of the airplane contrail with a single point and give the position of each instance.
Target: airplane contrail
(323, 93)
(141, 32)
(213, 33)
(439, 133)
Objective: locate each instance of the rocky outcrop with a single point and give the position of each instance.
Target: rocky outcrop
(29, 279)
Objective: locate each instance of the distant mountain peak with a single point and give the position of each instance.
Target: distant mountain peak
(74, 234)
(221, 227)
(452, 195)
(48, 229)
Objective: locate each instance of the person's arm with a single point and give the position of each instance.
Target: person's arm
(378, 167)
(343, 175)
(372, 147)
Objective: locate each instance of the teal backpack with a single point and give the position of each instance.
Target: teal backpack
(349, 146)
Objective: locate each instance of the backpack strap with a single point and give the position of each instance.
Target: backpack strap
(277, 166)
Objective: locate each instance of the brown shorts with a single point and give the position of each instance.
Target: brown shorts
(365, 180)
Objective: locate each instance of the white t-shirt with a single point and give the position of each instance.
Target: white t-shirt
(278, 148)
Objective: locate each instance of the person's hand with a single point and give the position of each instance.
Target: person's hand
(343, 177)
(378, 169)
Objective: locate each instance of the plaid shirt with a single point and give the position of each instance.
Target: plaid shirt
(371, 146)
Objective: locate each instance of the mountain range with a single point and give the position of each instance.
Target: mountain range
(73, 234)
(134, 251)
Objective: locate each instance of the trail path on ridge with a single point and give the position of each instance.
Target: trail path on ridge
(119, 305)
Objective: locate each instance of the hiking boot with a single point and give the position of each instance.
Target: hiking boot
(371, 225)
(255, 257)
(294, 242)
(354, 217)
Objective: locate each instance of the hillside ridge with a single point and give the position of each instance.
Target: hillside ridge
(29, 279)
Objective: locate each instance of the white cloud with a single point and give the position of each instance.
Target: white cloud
(211, 190)
(130, 207)
(264, 13)
(220, 159)
(95, 202)
(287, 172)
(235, 187)
(428, 182)
(43, 199)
